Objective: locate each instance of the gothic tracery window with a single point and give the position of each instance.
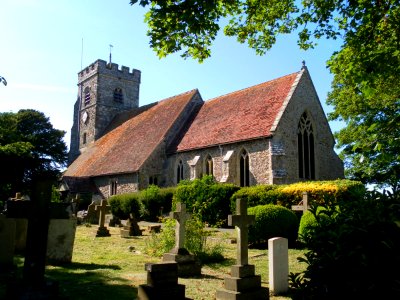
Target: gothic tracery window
(305, 143)
(118, 96)
(244, 169)
(179, 172)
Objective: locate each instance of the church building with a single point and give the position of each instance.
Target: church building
(275, 132)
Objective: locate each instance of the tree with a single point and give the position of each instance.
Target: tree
(365, 90)
(30, 148)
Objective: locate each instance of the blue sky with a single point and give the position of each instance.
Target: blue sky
(41, 53)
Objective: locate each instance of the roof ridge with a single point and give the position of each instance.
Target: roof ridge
(178, 95)
(250, 87)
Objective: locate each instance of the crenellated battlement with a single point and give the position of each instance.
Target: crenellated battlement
(102, 67)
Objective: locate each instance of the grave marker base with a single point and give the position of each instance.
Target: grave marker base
(102, 232)
(188, 265)
(162, 282)
(242, 285)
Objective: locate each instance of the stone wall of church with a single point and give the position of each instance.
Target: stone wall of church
(285, 159)
(226, 161)
(126, 183)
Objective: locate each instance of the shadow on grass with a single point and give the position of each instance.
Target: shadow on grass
(85, 266)
(79, 281)
(91, 284)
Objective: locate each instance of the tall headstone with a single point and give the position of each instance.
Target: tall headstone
(188, 265)
(103, 208)
(278, 265)
(243, 283)
(7, 238)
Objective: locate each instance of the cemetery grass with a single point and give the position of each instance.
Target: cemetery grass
(113, 267)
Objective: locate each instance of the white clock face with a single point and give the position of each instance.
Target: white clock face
(85, 117)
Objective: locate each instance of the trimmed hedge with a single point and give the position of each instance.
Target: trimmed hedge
(148, 204)
(319, 192)
(207, 199)
(123, 205)
(272, 221)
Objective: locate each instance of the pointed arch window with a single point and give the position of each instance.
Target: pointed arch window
(118, 95)
(179, 172)
(305, 143)
(209, 166)
(87, 95)
(244, 169)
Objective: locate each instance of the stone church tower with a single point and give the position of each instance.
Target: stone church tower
(103, 92)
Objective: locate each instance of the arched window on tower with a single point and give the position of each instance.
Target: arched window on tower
(209, 166)
(118, 95)
(179, 172)
(305, 143)
(244, 169)
(87, 95)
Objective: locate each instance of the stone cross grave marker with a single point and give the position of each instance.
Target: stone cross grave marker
(242, 221)
(180, 215)
(103, 208)
(303, 205)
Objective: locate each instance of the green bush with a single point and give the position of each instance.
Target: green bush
(153, 202)
(256, 195)
(354, 255)
(207, 199)
(308, 221)
(125, 204)
(272, 221)
(195, 242)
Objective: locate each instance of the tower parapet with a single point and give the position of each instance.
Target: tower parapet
(101, 66)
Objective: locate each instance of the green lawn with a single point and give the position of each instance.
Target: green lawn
(105, 268)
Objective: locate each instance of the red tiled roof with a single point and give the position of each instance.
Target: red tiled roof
(242, 115)
(126, 147)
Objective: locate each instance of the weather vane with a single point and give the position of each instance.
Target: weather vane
(3, 80)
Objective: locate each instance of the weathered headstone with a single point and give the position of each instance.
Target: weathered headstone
(7, 241)
(92, 215)
(243, 283)
(131, 228)
(102, 231)
(278, 265)
(60, 241)
(303, 205)
(162, 282)
(188, 265)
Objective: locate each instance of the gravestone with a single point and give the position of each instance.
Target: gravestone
(60, 242)
(162, 282)
(102, 231)
(92, 215)
(188, 265)
(7, 241)
(131, 228)
(278, 257)
(34, 285)
(303, 205)
(243, 283)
